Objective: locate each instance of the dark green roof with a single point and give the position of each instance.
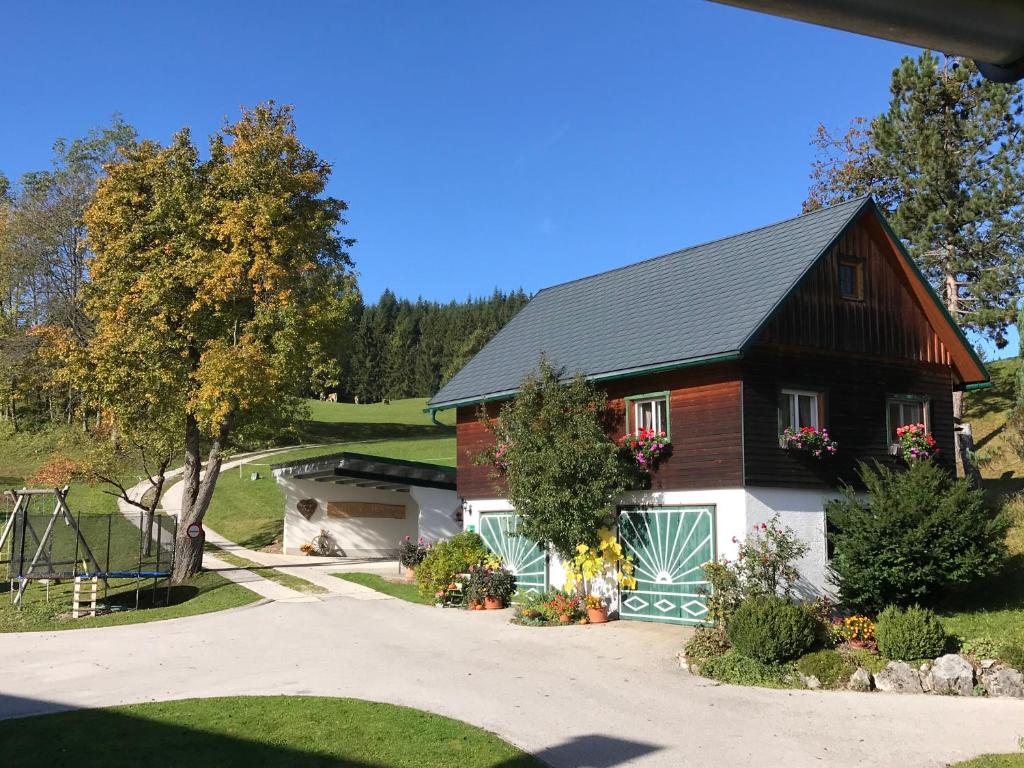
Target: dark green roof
(702, 303)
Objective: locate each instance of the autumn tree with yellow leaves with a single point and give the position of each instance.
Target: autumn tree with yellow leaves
(220, 290)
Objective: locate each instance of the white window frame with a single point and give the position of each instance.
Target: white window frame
(921, 400)
(635, 405)
(794, 407)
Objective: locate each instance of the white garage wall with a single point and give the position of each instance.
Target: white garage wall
(357, 537)
(803, 510)
(438, 511)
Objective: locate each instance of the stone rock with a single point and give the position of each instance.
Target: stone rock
(861, 680)
(810, 681)
(987, 663)
(1003, 682)
(953, 675)
(898, 677)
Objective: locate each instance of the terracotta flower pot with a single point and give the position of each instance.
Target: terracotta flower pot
(474, 605)
(410, 574)
(858, 643)
(564, 618)
(597, 615)
(492, 603)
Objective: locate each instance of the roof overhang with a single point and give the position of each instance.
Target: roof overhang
(989, 31)
(366, 471)
(624, 373)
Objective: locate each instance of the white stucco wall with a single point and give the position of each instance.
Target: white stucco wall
(365, 537)
(438, 512)
(803, 510)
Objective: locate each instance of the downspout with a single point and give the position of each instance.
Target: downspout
(433, 416)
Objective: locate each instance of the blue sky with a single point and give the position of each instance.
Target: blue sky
(479, 145)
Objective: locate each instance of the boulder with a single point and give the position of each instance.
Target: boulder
(1003, 682)
(898, 677)
(952, 675)
(810, 681)
(861, 680)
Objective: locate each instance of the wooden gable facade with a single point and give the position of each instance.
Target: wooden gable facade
(857, 351)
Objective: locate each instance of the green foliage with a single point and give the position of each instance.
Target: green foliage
(945, 161)
(1012, 654)
(722, 593)
(737, 669)
(409, 349)
(862, 657)
(771, 630)
(561, 468)
(909, 634)
(832, 669)
(921, 536)
(485, 581)
(447, 559)
(765, 565)
(706, 643)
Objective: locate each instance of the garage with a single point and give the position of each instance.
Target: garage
(668, 546)
(527, 562)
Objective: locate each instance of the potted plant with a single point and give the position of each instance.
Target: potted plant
(473, 584)
(914, 442)
(597, 609)
(496, 586)
(411, 554)
(814, 441)
(647, 448)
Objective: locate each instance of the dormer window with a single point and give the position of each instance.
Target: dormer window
(647, 412)
(851, 277)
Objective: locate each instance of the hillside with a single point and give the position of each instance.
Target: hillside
(251, 512)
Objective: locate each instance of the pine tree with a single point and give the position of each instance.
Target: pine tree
(945, 160)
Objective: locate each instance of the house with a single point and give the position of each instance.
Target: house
(821, 320)
(366, 504)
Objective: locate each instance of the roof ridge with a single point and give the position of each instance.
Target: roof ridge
(678, 251)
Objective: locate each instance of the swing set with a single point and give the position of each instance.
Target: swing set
(50, 544)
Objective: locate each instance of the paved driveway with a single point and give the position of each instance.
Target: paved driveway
(597, 696)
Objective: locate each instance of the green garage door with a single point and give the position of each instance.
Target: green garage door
(522, 557)
(669, 545)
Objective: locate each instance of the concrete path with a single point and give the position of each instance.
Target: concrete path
(597, 696)
(264, 587)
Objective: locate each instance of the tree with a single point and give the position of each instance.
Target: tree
(918, 537)
(216, 288)
(945, 161)
(562, 469)
(43, 252)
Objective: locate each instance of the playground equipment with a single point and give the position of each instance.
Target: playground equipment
(110, 549)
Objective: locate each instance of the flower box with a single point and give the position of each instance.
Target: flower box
(809, 439)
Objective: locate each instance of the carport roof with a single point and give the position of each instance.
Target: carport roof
(368, 471)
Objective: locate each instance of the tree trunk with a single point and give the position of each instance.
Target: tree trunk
(962, 442)
(195, 500)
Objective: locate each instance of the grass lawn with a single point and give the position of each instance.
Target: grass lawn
(1015, 760)
(204, 593)
(408, 592)
(251, 512)
(284, 579)
(272, 731)
(996, 610)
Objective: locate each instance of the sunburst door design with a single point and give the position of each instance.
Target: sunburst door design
(522, 557)
(669, 545)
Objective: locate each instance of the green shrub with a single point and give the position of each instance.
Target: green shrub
(733, 667)
(911, 634)
(862, 657)
(765, 565)
(446, 559)
(771, 630)
(832, 669)
(921, 536)
(707, 643)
